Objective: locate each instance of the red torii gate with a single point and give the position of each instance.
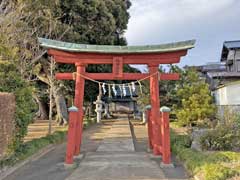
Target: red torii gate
(81, 55)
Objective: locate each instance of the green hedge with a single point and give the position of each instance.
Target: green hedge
(11, 81)
(210, 166)
(29, 148)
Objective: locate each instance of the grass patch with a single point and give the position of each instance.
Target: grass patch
(29, 148)
(209, 165)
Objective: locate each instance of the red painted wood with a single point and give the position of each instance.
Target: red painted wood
(78, 102)
(150, 133)
(128, 60)
(110, 76)
(166, 154)
(101, 58)
(71, 137)
(159, 143)
(155, 106)
(118, 67)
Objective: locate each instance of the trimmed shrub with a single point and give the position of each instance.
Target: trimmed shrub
(207, 166)
(217, 172)
(222, 138)
(7, 116)
(11, 81)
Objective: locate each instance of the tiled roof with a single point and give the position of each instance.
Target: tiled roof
(72, 47)
(232, 44)
(223, 74)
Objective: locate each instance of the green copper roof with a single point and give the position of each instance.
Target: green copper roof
(72, 47)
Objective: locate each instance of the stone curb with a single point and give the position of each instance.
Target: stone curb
(9, 170)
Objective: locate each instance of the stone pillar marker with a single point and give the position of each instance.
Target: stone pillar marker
(99, 108)
(145, 113)
(149, 126)
(165, 130)
(72, 128)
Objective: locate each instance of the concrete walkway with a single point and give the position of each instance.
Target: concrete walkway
(116, 159)
(117, 166)
(118, 138)
(112, 150)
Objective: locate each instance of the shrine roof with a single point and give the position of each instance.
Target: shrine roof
(107, 49)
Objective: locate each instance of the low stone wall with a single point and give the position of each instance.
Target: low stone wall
(7, 115)
(196, 135)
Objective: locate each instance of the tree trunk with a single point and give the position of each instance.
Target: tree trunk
(42, 108)
(61, 107)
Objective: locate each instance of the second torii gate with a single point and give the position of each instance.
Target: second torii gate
(82, 55)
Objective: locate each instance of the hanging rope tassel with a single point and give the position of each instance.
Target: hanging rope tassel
(114, 85)
(114, 90)
(121, 90)
(130, 90)
(133, 87)
(124, 90)
(104, 88)
(109, 91)
(140, 85)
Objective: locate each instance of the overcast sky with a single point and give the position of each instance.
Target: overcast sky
(210, 22)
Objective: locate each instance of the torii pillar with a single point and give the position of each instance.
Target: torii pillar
(155, 110)
(78, 102)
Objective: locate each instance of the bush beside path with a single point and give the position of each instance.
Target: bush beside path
(217, 165)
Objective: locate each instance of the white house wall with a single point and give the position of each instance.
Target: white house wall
(228, 95)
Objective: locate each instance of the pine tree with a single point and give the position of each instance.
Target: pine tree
(196, 101)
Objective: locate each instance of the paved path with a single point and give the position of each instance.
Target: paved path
(48, 168)
(117, 166)
(111, 153)
(116, 159)
(118, 138)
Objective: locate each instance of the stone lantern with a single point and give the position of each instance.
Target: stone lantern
(99, 108)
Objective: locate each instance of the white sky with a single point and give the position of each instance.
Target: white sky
(210, 22)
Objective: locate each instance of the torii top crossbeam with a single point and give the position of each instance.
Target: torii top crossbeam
(152, 55)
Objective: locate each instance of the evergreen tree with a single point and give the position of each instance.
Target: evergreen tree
(196, 101)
